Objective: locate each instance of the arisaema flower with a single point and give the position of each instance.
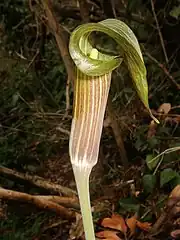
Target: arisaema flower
(91, 88)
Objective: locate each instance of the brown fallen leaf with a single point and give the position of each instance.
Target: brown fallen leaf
(174, 196)
(131, 222)
(137, 193)
(108, 235)
(175, 192)
(115, 222)
(164, 108)
(145, 226)
(122, 222)
(175, 234)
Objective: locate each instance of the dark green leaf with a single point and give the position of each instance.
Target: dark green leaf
(175, 181)
(175, 12)
(15, 98)
(149, 182)
(153, 142)
(167, 175)
(151, 161)
(129, 204)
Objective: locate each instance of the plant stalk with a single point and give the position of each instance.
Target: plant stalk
(82, 182)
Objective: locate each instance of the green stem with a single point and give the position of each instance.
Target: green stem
(82, 182)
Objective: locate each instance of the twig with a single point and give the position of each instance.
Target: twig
(20, 130)
(73, 12)
(65, 131)
(113, 8)
(84, 11)
(58, 32)
(164, 114)
(38, 181)
(165, 70)
(67, 95)
(166, 214)
(117, 133)
(65, 201)
(32, 60)
(178, 106)
(21, 22)
(21, 55)
(53, 225)
(37, 200)
(159, 32)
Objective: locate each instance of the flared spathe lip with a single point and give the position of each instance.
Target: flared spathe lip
(80, 49)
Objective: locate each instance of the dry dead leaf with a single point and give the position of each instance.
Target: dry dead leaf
(145, 226)
(108, 235)
(174, 196)
(175, 192)
(115, 222)
(175, 234)
(131, 222)
(175, 211)
(122, 222)
(137, 193)
(164, 108)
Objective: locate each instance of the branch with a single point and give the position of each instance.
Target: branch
(57, 31)
(38, 181)
(117, 134)
(159, 32)
(84, 11)
(37, 200)
(165, 70)
(65, 201)
(96, 15)
(74, 12)
(67, 95)
(168, 212)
